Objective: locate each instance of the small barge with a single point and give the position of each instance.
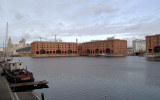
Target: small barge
(20, 78)
(28, 86)
(16, 73)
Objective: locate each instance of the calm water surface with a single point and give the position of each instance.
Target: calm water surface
(97, 78)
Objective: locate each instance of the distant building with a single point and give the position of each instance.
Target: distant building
(22, 43)
(1, 48)
(40, 47)
(109, 46)
(28, 44)
(11, 48)
(129, 50)
(80, 49)
(139, 46)
(153, 43)
(24, 51)
(110, 38)
(1, 51)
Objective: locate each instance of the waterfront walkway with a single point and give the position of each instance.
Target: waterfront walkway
(27, 96)
(5, 92)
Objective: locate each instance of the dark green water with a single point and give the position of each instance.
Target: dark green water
(97, 78)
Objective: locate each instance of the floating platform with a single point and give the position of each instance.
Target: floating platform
(28, 85)
(44, 82)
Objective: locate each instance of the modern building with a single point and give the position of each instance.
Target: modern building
(153, 43)
(139, 46)
(24, 51)
(44, 47)
(109, 46)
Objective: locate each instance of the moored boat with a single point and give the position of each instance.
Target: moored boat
(16, 73)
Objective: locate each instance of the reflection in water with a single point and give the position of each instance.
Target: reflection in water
(97, 78)
(152, 74)
(153, 58)
(153, 80)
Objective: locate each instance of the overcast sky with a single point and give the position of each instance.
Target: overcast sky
(82, 19)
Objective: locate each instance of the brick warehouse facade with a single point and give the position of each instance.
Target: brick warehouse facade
(111, 46)
(39, 47)
(153, 43)
(80, 48)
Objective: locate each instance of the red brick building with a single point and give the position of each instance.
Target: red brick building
(153, 43)
(111, 46)
(129, 50)
(39, 47)
(80, 48)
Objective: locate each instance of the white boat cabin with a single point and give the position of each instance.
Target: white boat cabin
(14, 65)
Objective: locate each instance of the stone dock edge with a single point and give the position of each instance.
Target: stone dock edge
(7, 94)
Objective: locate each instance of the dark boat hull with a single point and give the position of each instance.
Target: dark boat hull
(12, 79)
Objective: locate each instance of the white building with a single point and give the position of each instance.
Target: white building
(11, 48)
(139, 46)
(1, 48)
(1, 51)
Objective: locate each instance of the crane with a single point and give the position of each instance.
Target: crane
(40, 38)
(55, 36)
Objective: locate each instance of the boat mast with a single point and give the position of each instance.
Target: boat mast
(3, 51)
(5, 54)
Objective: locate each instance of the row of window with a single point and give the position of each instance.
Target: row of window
(56, 47)
(57, 52)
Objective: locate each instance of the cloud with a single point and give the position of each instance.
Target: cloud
(124, 19)
(0, 8)
(18, 15)
(150, 27)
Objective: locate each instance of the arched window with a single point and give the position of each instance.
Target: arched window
(108, 50)
(157, 49)
(58, 51)
(69, 51)
(42, 51)
(97, 51)
(88, 51)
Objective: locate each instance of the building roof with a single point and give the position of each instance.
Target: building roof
(153, 35)
(17, 61)
(104, 40)
(51, 42)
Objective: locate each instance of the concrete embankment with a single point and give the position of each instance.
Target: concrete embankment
(7, 94)
(118, 55)
(30, 95)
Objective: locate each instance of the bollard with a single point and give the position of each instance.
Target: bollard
(42, 96)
